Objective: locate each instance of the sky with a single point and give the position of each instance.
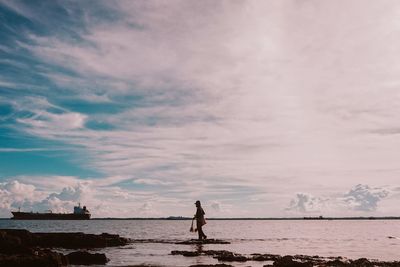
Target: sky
(257, 108)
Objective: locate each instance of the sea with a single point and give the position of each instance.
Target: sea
(155, 239)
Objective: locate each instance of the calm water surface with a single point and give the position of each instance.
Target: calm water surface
(352, 239)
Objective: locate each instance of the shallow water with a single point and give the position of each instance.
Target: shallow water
(352, 239)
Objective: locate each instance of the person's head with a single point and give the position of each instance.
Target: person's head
(197, 203)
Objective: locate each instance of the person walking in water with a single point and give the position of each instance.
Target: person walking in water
(200, 221)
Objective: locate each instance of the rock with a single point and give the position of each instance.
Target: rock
(38, 259)
(362, 262)
(265, 257)
(79, 240)
(336, 262)
(12, 245)
(221, 255)
(204, 241)
(186, 253)
(65, 240)
(215, 252)
(86, 258)
(289, 261)
(21, 248)
(230, 256)
(212, 265)
(286, 261)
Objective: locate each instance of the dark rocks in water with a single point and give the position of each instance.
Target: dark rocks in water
(336, 262)
(186, 253)
(221, 255)
(40, 258)
(362, 262)
(287, 261)
(16, 249)
(65, 240)
(215, 253)
(204, 241)
(10, 244)
(283, 261)
(178, 242)
(158, 241)
(79, 240)
(86, 258)
(21, 248)
(230, 256)
(265, 257)
(211, 265)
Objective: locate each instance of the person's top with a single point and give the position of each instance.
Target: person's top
(200, 213)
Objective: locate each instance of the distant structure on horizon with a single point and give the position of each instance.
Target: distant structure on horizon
(80, 213)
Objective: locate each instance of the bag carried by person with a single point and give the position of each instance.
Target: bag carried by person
(191, 227)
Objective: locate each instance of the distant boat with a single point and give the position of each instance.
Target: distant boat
(80, 213)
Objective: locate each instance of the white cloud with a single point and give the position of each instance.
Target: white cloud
(360, 200)
(307, 203)
(364, 198)
(18, 190)
(102, 199)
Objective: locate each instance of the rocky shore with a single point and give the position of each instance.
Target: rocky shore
(281, 261)
(21, 248)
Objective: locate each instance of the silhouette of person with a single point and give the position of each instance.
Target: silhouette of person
(200, 221)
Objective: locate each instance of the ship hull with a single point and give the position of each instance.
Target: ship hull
(48, 216)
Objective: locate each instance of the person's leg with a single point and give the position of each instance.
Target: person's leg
(204, 235)
(200, 231)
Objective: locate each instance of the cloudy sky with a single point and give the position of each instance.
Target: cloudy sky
(257, 108)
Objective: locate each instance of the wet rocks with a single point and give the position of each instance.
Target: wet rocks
(204, 241)
(10, 244)
(230, 256)
(86, 258)
(18, 250)
(27, 260)
(265, 257)
(336, 262)
(211, 265)
(21, 248)
(186, 253)
(65, 240)
(283, 261)
(221, 255)
(79, 240)
(39, 258)
(290, 261)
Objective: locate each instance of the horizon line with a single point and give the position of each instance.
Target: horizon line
(182, 218)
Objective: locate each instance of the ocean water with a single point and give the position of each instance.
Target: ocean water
(351, 239)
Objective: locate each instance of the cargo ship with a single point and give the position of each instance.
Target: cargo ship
(80, 213)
